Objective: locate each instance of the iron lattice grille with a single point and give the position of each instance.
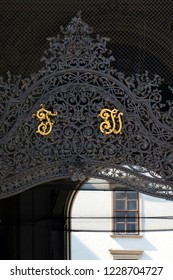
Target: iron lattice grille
(78, 81)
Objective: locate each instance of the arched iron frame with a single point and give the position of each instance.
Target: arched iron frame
(77, 83)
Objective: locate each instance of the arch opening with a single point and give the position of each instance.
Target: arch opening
(33, 224)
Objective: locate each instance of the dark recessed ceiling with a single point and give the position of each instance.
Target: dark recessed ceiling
(140, 32)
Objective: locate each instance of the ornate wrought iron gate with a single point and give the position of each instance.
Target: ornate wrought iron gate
(79, 117)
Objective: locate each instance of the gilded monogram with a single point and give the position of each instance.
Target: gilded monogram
(45, 127)
(112, 121)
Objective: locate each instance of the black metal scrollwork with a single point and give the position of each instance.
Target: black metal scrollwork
(79, 82)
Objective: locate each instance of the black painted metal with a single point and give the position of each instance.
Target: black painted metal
(78, 81)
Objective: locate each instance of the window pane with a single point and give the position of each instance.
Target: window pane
(120, 227)
(132, 217)
(131, 228)
(120, 217)
(132, 195)
(120, 194)
(120, 204)
(120, 214)
(131, 205)
(120, 220)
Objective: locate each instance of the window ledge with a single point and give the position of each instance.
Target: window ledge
(126, 236)
(126, 254)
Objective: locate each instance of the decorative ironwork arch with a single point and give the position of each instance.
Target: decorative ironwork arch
(76, 89)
